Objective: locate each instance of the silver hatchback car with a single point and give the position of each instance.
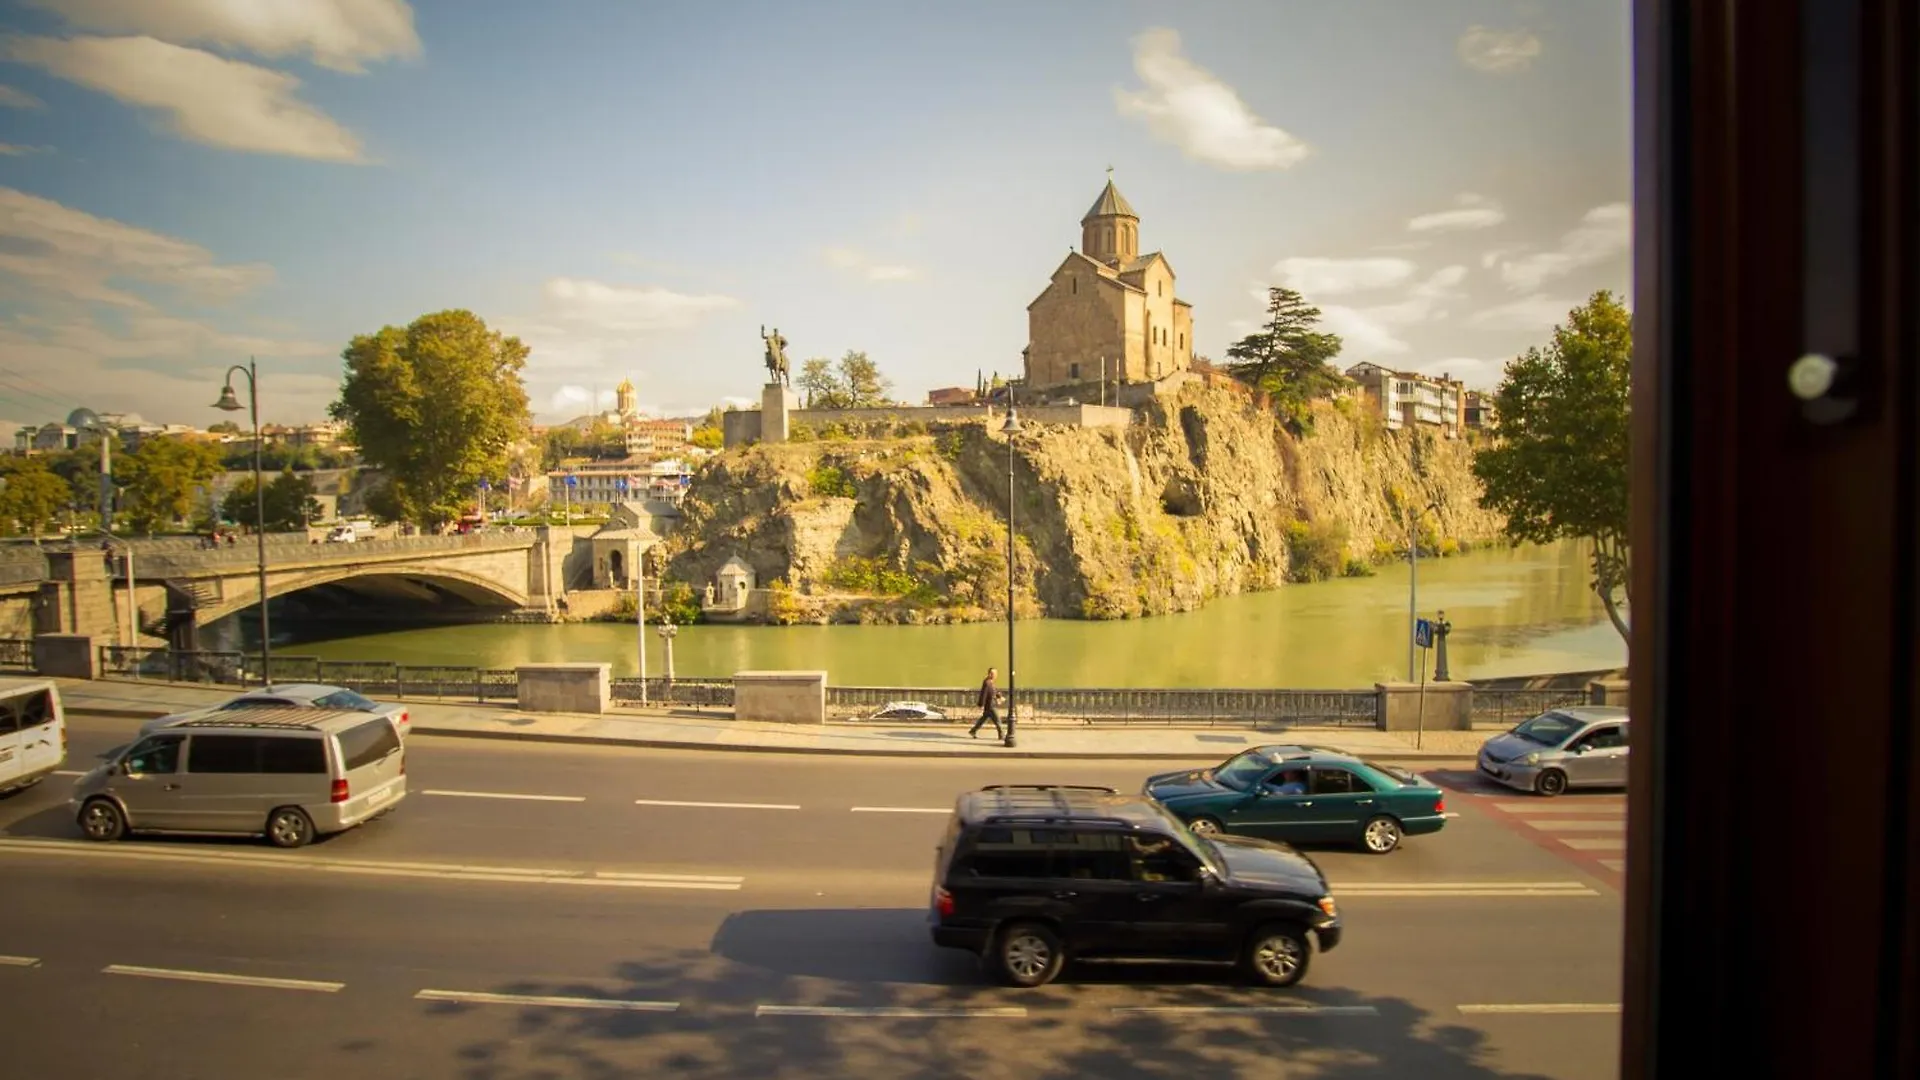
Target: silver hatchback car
(1579, 746)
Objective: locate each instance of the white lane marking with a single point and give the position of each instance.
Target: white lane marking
(1562, 1009)
(68, 772)
(182, 975)
(1582, 844)
(1618, 866)
(19, 961)
(1556, 808)
(1254, 1009)
(507, 795)
(1465, 888)
(889, 1011)
(717, 805)
(903, 809)
(1451, 814)
(1576, 825)
(431, 871)
(472, 997)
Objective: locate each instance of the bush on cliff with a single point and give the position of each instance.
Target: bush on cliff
(830, 480)
(1318, 550)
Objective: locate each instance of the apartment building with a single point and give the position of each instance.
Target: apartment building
(1408, 399)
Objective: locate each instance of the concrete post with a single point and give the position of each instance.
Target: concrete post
(776, 402)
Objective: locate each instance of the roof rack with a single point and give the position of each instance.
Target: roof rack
(1053, 819)
(276, 717)
(1052, 787)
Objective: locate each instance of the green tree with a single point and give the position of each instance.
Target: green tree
(1289, 359)
(709, 437)
(161, 479)
(1558, 467)
(560, 444)
(224, 427)
(31, 495)
(435, 407)
(290, 504)
(854, 382)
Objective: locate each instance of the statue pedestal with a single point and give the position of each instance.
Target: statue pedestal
(776, 401)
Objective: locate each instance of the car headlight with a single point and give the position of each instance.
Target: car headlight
(1533, 759)
(1326, 905)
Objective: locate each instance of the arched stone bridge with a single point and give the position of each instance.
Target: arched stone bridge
(488, 570)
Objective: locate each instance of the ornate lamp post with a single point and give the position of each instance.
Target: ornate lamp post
(667, 633)
(1441, 628)
(1010, 429)
(1413, 586)
(229, 402)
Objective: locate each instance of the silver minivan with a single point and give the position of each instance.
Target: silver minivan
(290, 774)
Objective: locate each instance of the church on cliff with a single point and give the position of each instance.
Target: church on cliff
(1110, 313)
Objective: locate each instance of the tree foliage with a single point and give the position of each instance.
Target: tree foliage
(1558, 468)
(161, 480)
(1289, 359)
(31, 494)
(435, 407)
(854, 382)
(290, 504)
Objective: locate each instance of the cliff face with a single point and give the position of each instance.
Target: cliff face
(1204, 496)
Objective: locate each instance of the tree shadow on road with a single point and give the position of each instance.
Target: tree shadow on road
(868, 958)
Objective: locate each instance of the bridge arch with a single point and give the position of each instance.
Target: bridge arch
(391, 582)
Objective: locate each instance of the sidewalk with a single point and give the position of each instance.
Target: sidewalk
(687, 729)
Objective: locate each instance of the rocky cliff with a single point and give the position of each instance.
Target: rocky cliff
(1204, 496)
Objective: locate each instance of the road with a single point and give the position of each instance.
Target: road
(601, 923)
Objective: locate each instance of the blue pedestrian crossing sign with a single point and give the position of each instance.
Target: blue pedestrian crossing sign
(1423, 633)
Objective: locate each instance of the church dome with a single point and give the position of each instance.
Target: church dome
(83, 418)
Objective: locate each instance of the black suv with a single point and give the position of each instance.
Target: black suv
(1029, 875)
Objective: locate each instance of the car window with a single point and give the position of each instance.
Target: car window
(346, 699)
(1241, 771)
(1548, 729)
(362, 746)
(1604, 738)
(255, 702)
(1288, 781)
(1091, 856)
(1159, 858)
(1337, 782)
(292, 754)
(224, 754)
(1009, 853)
(25, 711)
(156, 755)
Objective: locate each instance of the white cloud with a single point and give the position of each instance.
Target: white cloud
(1536, 312)
(337, 34)
(740, 402)
(1498, 52)
(1469, 212)
(1314, 276)
(1475, 373)
(600, 306)
(73, 252)
(1188, 106)
(11, 98)
(1363, 334)
(865, 266)
(1605, 232)
(1376, 330)
(205, 98)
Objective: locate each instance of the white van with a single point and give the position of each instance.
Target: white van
(33, 732)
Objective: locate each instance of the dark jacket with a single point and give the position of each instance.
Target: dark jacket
(986, 693)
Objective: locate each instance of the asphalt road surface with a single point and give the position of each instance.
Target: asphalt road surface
(544, 911)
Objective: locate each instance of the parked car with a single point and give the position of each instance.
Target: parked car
(342, 534)
(288, 774)
(1561, 749)
(907, 710)
(1303, 794)
(294, 695)
(1030, 876)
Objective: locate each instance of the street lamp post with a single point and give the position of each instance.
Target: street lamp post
(1441, 628)
(1010, 429)
(667, 633)
(229, 402)
(1413, 586)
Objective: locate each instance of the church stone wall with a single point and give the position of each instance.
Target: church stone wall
(1068, 326)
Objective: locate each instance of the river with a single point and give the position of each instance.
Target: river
(1514, 612)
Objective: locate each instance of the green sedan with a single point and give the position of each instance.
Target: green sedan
(1306, 795)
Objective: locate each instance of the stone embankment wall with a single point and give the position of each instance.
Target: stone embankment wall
(1203, 496)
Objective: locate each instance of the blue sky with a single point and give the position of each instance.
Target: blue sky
(635, 188)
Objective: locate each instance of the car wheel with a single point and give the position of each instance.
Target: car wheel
(289, 827)
(1277, 955)
(1550, 783)
(1380, 835)
(102, 820)
(1028, 955)
(1206, 826)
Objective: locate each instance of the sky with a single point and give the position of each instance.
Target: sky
(636, 188)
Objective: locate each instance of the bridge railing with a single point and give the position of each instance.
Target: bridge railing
(699, 693)
(244, 557)
(1508, 706)
(1121, 706)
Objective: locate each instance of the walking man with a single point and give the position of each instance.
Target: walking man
(988, 710)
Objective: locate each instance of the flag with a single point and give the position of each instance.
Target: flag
(572, 480)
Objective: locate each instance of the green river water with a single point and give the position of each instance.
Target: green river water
(1514, 611)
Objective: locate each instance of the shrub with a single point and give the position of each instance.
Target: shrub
(1358, 567)
(835, 432)
(1318, 549)
(913, 427)
(1449, 546)
(830, 480)
(875, 575)
(950, 444)
(783, 608)
(800, 433)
